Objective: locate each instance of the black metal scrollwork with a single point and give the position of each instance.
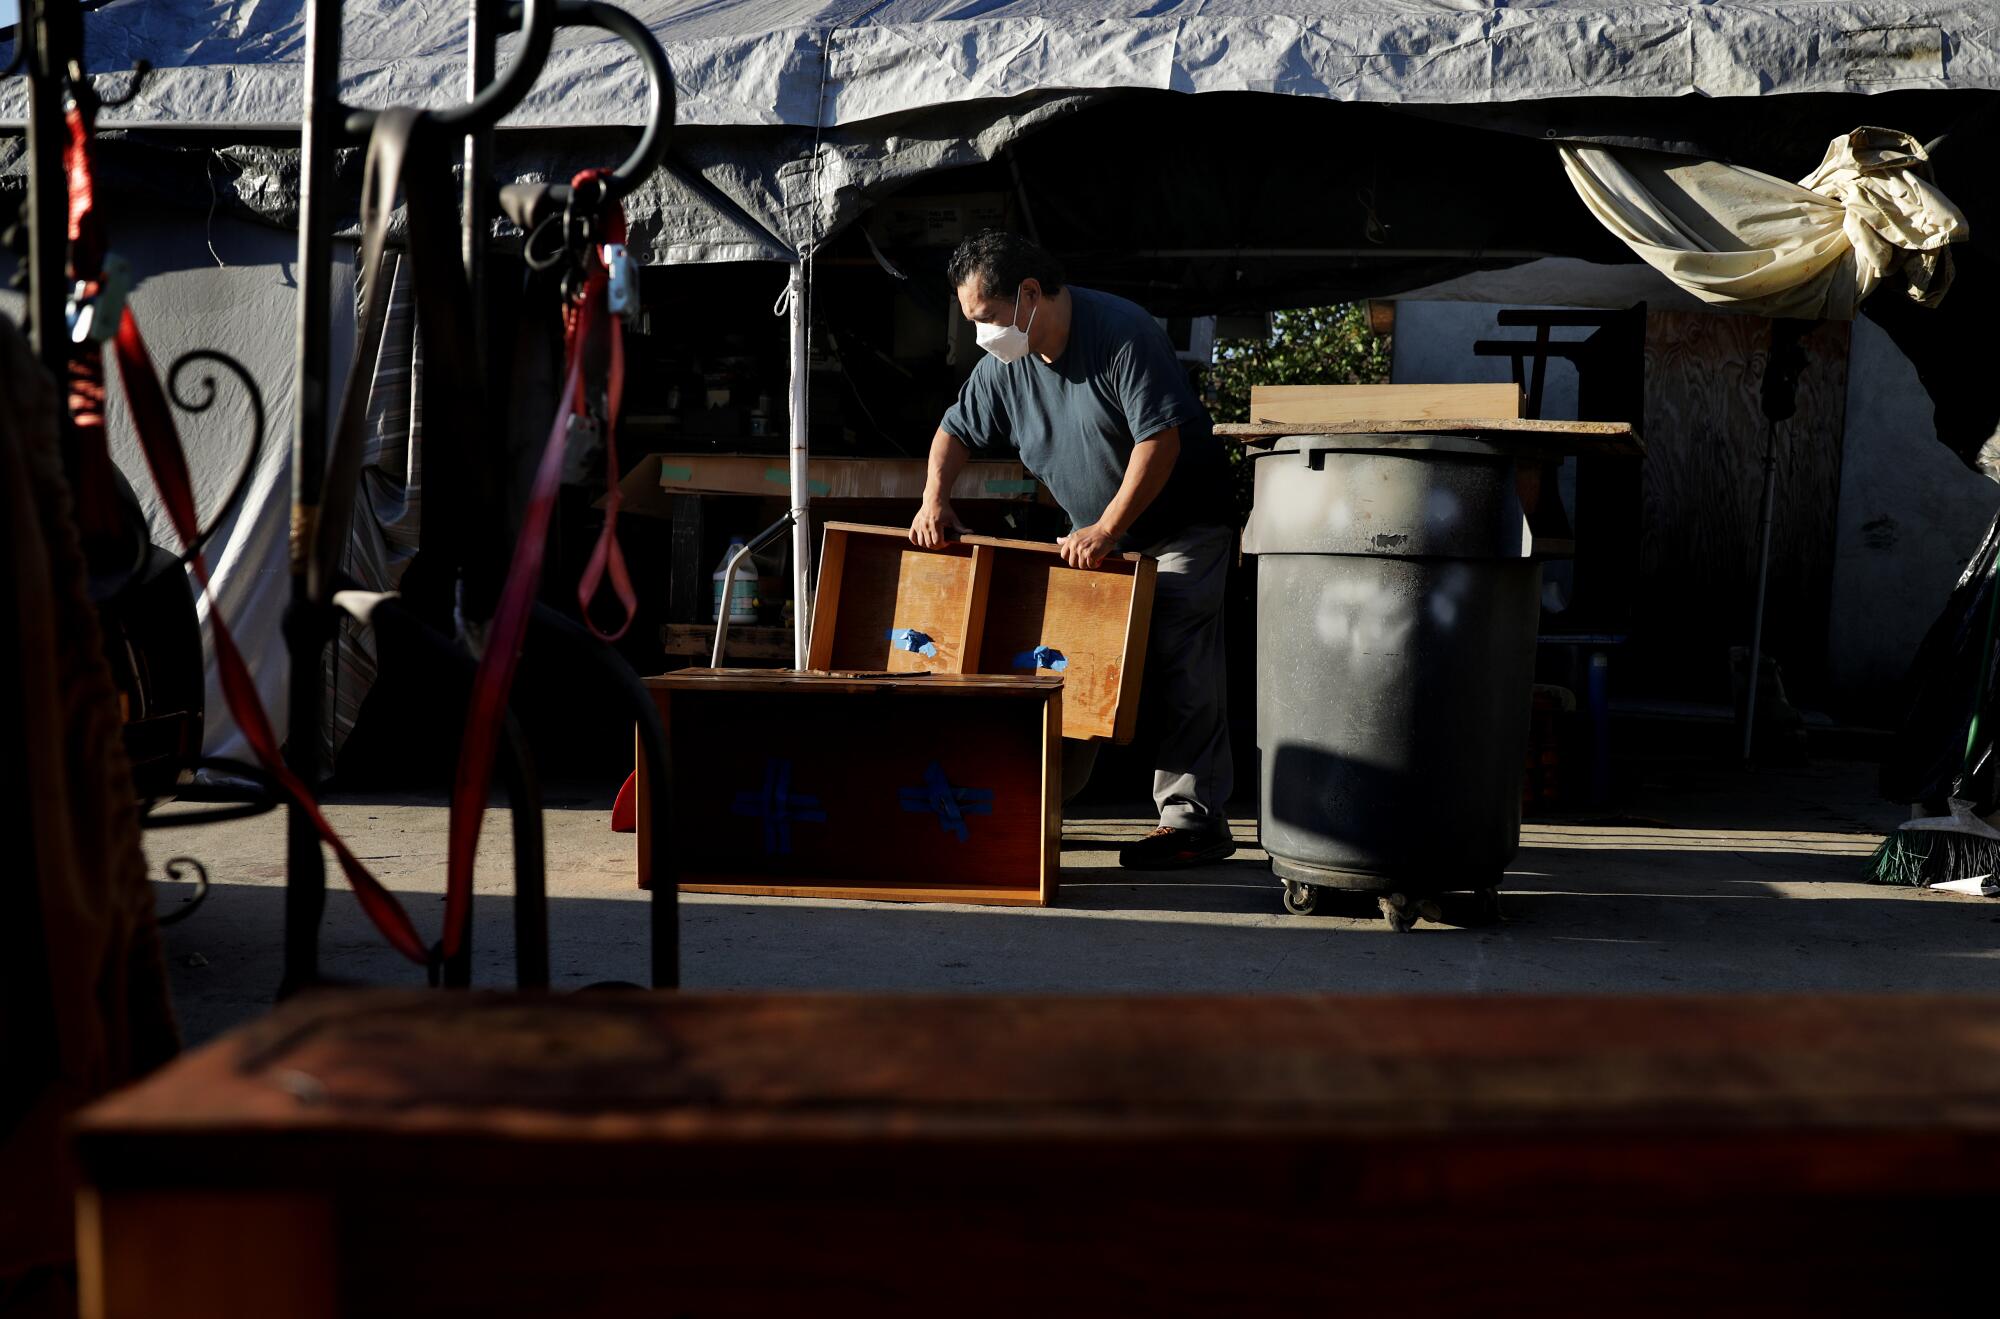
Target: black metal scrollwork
(175, 869)
(140, 70)
(197, 405)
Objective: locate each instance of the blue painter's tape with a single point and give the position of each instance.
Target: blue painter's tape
(917, 643)
(779, 476)
(675, 472)
(1042, 657)
(936, 796)
(778, 807)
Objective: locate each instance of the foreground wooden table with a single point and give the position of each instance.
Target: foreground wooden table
(637, 1154)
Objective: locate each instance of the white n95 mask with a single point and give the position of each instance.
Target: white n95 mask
(1006, 342)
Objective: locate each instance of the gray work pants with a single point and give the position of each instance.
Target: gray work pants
(1185, 684)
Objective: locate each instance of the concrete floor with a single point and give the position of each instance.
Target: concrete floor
(1707, 880)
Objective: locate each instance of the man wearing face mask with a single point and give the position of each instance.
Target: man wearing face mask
(1085, 387)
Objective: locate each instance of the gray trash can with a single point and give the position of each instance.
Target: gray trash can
(1397, 600)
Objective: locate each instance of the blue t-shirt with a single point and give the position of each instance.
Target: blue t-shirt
(1074, 421)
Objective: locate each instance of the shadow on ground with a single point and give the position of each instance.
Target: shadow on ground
(1576, 921)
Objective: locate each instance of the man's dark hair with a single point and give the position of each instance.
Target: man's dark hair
(1002, 261)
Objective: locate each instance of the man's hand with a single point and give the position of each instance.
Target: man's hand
(934, 525)
(1086, 547)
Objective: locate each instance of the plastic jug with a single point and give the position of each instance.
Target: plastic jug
(743, 591)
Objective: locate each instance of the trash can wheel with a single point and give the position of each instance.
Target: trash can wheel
(1486, 905)
(1301, 899)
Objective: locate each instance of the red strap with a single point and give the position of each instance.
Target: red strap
(585, 322)
(98, 513)
(160, 441)
(495, 675)
(86, 236)
(606, 555)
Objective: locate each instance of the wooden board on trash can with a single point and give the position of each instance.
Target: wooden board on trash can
(1523, 436)
(984, 605)
(893, 787)
(1293, 403)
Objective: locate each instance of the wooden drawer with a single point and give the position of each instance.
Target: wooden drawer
(920, 788)
(986, 605)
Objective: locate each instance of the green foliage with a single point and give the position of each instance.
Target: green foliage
(1308, 346)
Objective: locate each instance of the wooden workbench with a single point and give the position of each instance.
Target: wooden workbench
(652, 483)
(620, 1154)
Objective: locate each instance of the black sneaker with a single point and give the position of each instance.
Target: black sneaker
(1176, 849)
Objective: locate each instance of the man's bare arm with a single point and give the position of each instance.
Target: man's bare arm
(1146, 474)
(935, 521)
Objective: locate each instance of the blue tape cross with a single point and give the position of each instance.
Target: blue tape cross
(950, 805)
(917, 643)
(779, 807)
(1042, 657)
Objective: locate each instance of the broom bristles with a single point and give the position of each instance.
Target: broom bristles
(1920, 858)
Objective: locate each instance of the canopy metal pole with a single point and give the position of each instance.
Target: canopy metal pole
(482, 40)
(1764, 521)
(305, 628)
(39, 38)
(801, 461)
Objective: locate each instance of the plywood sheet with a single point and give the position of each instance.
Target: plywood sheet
(1416, 402)
(1702, 487)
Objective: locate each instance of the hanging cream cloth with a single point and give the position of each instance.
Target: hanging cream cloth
(1812, 249)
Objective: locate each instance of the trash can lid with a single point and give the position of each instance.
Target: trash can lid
(1407, 496)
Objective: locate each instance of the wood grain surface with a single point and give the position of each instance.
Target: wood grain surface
(1415, 402)
(682, 1070)
(986, 602)
(614, 1154)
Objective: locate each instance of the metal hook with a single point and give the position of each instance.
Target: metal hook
(202, 404)
(661, 103)
(500, 97)
(537, 249)
(140, 70)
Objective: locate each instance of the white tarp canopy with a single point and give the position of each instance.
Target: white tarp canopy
(799, 111)
(237, 63)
